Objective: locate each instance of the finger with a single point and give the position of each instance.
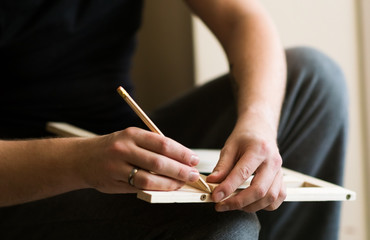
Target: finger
(163, 165)
(282, 196)
(274, 197)
(142, 179)
(245, 167)
(121, 171)
(258, 189)
(146, 180)
(226, 162)
(275, 205)
(167, 147)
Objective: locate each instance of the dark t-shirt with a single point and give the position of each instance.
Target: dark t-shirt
(62, 60)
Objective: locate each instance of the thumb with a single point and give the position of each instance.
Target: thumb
(224, 166)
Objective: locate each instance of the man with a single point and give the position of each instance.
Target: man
(61, 61)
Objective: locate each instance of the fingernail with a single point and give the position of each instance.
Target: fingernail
(219, 196)
(213, 173)
(194, 160)
(222, 207)
(193, 176)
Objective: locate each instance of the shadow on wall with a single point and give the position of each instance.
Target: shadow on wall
(163, 64)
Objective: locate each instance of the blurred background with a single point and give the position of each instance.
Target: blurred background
(176, 52)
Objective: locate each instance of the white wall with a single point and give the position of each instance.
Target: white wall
(332, 27)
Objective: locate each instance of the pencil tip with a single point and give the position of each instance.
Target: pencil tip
(204, 185)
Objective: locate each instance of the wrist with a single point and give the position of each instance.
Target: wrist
(78, 153)
(67, 158)
(260, 112)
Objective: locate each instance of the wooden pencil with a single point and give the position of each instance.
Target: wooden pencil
(138, 110)
(130, 101)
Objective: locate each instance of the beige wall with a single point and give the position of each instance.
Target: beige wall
(365, 27)
(335, 31)
(331, 26)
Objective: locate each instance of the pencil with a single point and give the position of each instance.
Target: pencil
(138, 110)
(202, 184)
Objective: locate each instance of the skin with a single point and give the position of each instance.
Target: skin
(258, 66)
(40, 168)
(36, 169)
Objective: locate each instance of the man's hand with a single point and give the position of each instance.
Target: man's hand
(36, 169)
(163, 163)
(256, 56)
(250, 149)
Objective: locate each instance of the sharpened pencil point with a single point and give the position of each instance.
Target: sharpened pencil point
(204, 185)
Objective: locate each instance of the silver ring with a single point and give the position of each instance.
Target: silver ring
(132, 175)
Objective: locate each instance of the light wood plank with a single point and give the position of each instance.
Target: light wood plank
(300, 187)
(67, 130)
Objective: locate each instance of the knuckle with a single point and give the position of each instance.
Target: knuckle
(273, 206)
(164, 145)
(237, 203)
(272, 196)
(277, 161)
(119, 142)
(130, 131)
(228, 187)
(182, 173)
(157, 164)
(146, 183)
(264, 147)
(245, 172)
(118, 147)
(259, 192)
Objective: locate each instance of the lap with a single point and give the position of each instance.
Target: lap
(204, 119)
(88, 214)
(311, 138)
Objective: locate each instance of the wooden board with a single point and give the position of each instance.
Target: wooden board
(300, 187)
(67, 130)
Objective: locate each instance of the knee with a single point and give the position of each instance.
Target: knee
(315, 72)
(235, 225)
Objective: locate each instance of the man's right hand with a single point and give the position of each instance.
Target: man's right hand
(163, 164)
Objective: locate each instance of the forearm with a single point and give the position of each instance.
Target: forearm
(257, 64)
(254, 51)
(35, 169)
(258, 67)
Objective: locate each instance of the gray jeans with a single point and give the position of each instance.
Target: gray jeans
(312, 136)
(311, 139)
